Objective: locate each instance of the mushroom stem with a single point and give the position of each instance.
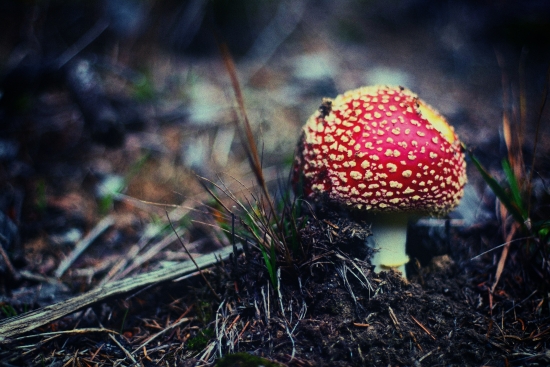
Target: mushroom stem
(389, 239)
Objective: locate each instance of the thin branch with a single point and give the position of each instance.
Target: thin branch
(17, 325)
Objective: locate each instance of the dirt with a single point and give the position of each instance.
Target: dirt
(332, 310)
(434, 319)
(65, 166)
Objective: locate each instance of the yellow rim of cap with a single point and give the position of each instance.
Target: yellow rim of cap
(437, 121)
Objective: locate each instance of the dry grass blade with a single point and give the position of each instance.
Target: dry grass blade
(193, 260)
(393, 317)
(422, 327)
(227, 192)
(126, 352)
(212, 194)
(174, 325)
(427, 355)
(252, 151)
(395, 321)
(342, 271)
(83, 245)
(137, 261)
(252, 212)
(132, 260)
(68, 332)
(516, 171)
(504, 255)
(512, 129)
(14, 273)
(251, 148)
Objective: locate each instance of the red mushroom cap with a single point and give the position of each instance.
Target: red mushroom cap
(382, 149)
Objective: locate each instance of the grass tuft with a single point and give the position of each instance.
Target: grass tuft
(515, 190)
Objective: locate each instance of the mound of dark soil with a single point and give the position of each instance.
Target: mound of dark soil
(333, 311)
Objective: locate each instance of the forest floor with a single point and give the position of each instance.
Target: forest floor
(100, 217)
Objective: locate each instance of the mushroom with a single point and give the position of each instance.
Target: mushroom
(382, 150)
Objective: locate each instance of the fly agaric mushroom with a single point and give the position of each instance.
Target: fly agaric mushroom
(383, 150)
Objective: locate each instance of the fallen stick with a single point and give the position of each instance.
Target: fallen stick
(83, 245)
(28, 321)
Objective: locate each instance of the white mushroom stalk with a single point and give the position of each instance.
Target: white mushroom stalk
(382, 150)
(389, 240)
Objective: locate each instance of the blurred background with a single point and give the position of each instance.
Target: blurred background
(107, 105)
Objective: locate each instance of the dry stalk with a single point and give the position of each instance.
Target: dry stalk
(504, 255)
(219, 334)
(415, 341)
(193, 260)
(68, 332)
(126, 352)
(266, 306)
(395, 321)
(174, 325)
(342, 270)
(206, 357)
(14, 273)
(83, 244)
(427, 354)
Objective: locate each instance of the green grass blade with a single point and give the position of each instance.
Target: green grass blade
(542, 228)
(499, 191)
(514, 188)
(269, 263)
